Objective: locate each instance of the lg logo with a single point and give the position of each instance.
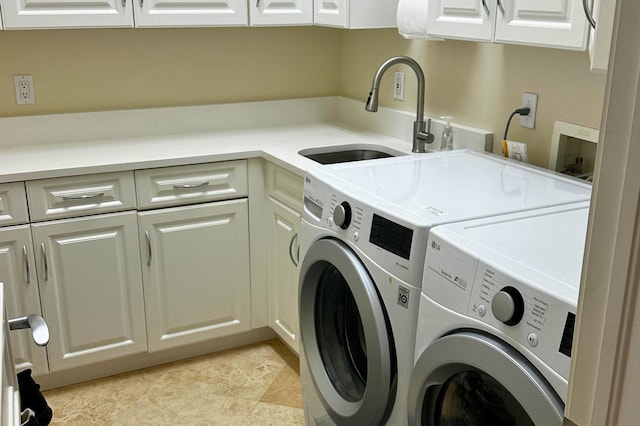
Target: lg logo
(435, 245)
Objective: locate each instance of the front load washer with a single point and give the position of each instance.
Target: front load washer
(363, 241)
(496, 319)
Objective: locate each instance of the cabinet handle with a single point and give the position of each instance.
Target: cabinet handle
(141, 3)
(486, 8)
(148, 238)
(587, 12)
(190, 185)
(83, 196)
(257, 3)
(500, 7)
(124, 3)
(25, 259)
(37, 324)
(294, 261)
(44, 261)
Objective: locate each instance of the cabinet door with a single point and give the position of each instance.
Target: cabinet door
(283, 272)
(280, 12)
(196, 272)
(462, 19)
(548, 23)
(18, 272)
(332, 13)
(22, 14)
(91, 288)
(183, 13)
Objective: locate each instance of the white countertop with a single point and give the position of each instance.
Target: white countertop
(276, 144)
(74, 144)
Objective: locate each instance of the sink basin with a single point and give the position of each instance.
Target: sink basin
(346, 153)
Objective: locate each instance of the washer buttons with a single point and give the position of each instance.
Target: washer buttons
(532, 338)
(356, 236)
(482, 310)
(330, 221)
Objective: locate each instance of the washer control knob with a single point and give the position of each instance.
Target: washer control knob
(508, 306)
(342, 215)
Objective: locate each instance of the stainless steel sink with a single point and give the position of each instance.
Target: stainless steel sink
(346, 153)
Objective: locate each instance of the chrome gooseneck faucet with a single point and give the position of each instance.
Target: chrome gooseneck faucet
(421, 131)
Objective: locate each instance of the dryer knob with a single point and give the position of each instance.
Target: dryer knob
(342, 215)
(508, 305)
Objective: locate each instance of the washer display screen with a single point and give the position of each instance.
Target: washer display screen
(390, 236)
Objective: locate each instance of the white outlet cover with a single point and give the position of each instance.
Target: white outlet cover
(530, 100)
(24, 96)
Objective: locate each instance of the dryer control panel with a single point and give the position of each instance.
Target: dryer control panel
(535, 319)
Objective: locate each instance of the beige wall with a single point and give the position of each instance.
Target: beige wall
(103, 69)
(480, 83)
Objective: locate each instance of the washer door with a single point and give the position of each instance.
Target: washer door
(475, 379)
(346, 336)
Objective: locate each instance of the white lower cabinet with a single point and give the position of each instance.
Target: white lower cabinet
(21, 294)
(90, 288)
(284, 224)
(196, 272)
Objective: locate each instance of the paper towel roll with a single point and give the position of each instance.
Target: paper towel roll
(412, 18)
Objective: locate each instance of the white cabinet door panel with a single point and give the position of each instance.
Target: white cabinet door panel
(284, 224)
(196, 13)
(67, 13)
(196, 273)
(281, 12)
(91, 288)
(462, 19)
(549, 23)
(22, 297)
(332, 13)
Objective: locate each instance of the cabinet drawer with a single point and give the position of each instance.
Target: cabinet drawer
(285, 186)
(81, 195)
(13, 204)
(171, 186)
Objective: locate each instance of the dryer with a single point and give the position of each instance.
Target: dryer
(363, 243)
(496, 318)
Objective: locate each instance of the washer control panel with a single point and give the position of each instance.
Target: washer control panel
(390, 241)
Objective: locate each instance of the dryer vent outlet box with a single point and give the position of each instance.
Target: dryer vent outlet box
(573, 149)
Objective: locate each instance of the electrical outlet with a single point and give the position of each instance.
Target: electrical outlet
(529, 100)
(398, 86)
(24, 89)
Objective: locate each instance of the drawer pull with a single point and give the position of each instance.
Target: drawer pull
(501, 8)
(37, 324)
(27, 273)
(190, 185)
(83, 196)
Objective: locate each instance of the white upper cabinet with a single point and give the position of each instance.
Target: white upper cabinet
(280, 12)
(33, 14)
(462, 19)
(182, 13)
(600, 42)
(355, 14)
(547, 23)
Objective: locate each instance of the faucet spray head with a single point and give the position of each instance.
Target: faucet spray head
(372, 101)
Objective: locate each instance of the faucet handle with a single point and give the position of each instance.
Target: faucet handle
(426, 136)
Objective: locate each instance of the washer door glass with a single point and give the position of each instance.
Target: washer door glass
(346, 337)
(340, 335)
(471, 378)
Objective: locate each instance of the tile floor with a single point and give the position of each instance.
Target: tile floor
(258, 384)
